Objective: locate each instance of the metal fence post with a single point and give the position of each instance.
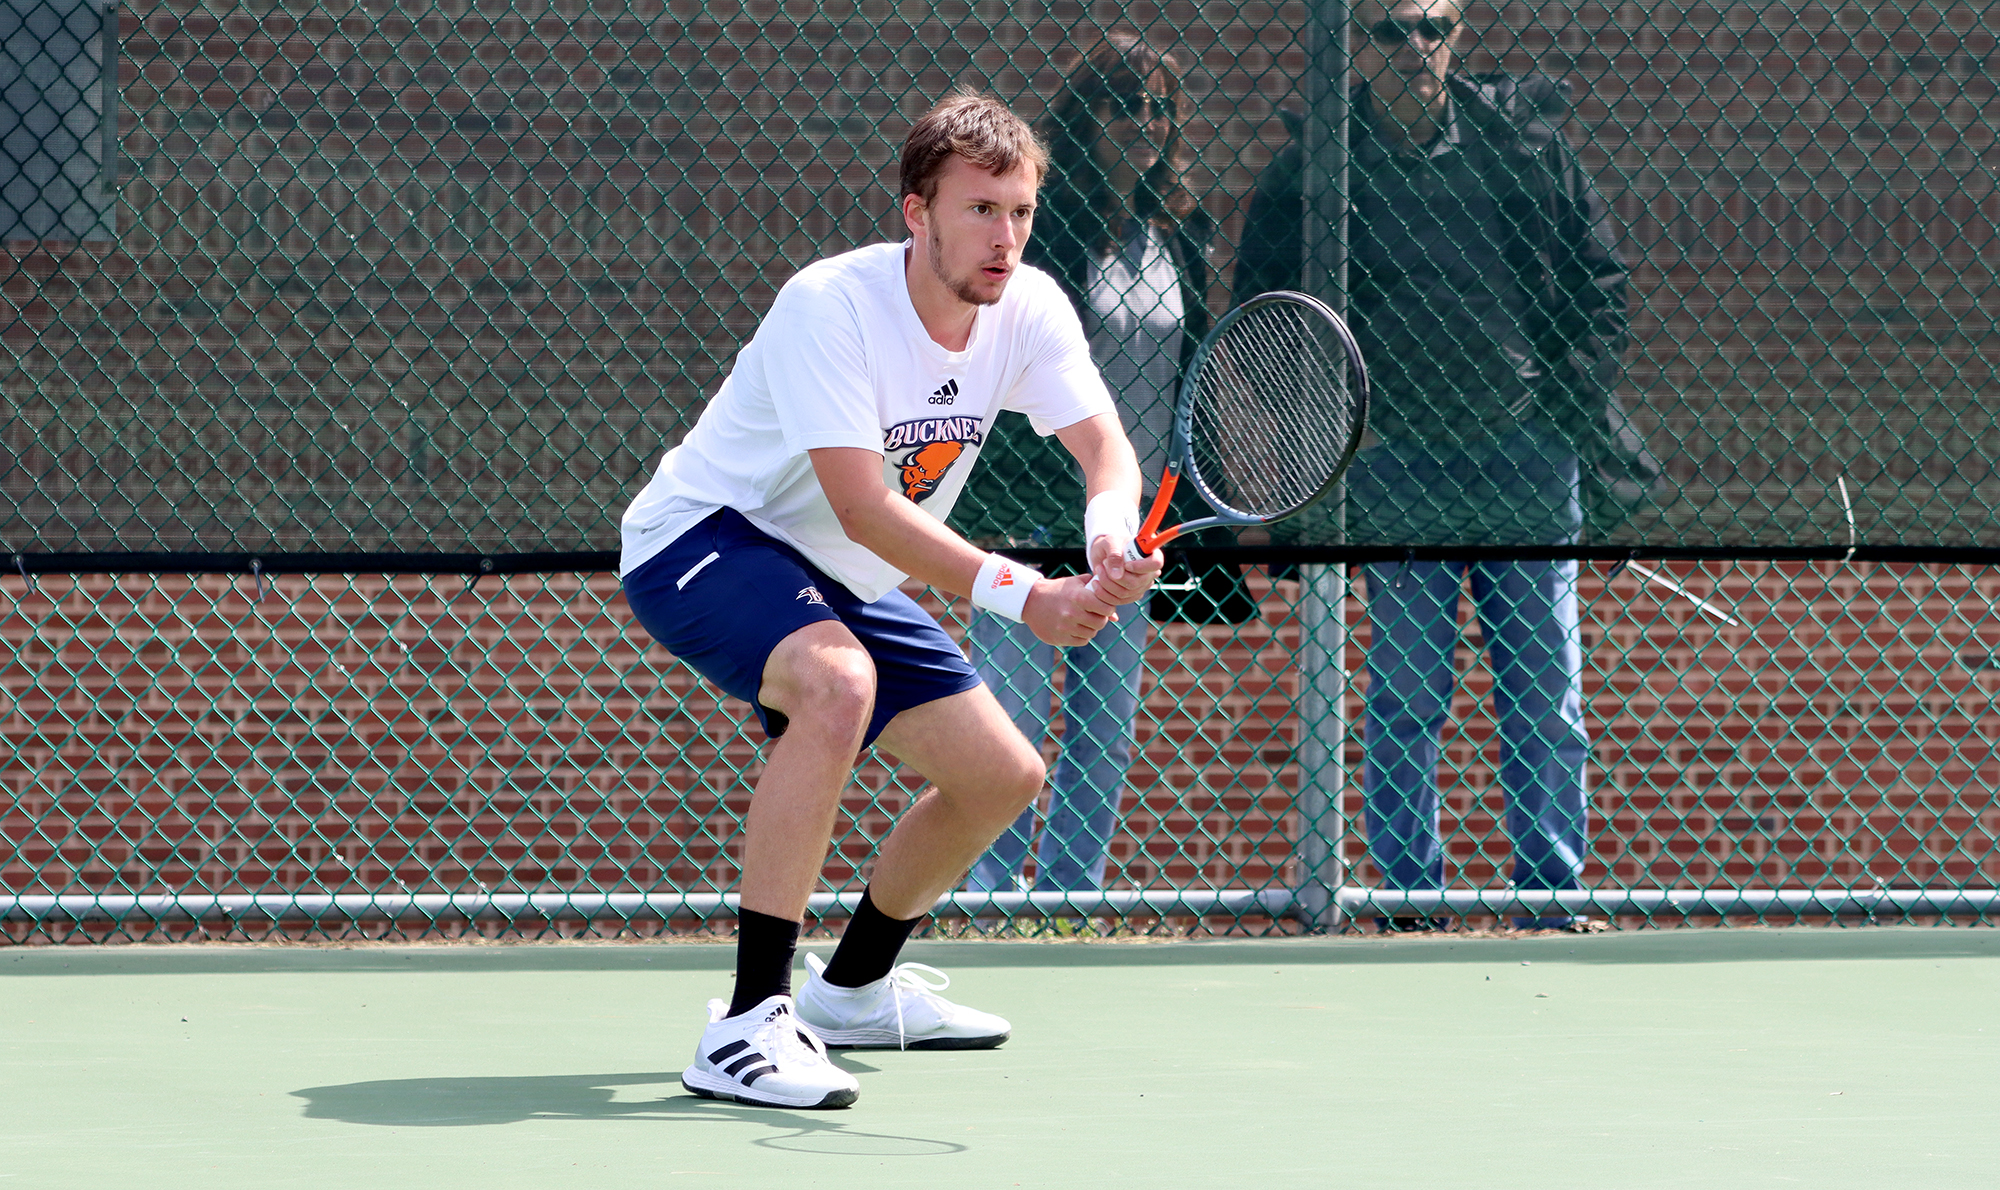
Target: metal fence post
(1323, 589)
(1323, 734)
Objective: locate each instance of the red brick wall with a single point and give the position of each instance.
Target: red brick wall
(465, 266)
(462, 266)
(354, 735)
(1805, 193)
(403, 253)
(1841, 733)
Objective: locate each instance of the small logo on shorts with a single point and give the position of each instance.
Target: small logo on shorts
(811, 595)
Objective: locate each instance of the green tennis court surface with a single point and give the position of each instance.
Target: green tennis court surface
(1692, 1058)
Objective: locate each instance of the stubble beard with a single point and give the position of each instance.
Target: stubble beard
(960, 288)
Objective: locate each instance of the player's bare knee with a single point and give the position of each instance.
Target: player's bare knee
(1018, 784)
(834, 695)
(1005, 782)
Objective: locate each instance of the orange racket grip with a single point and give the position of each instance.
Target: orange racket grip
(1150, 535)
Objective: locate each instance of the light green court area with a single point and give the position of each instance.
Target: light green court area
(1821, 1058)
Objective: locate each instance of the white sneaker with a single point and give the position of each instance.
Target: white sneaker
(764, 1057)
(902, 1010)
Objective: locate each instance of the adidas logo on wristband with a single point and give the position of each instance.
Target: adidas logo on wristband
(1003, 586)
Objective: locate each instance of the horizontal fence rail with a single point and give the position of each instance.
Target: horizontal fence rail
(1707, 902)
(620, 906)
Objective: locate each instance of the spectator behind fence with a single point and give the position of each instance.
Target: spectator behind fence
(1489, 299)
(1124, 237)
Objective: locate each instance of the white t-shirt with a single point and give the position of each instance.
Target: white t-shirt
(843, 360)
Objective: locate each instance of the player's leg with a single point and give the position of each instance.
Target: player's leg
(1413, 625)
(741, 609)
(1528, 612)
(819, 683)
(1087, 786)
(822, 681)
(1018, 669)
(984, 772)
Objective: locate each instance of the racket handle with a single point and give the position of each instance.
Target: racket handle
(1132, 554)
(1149, 537)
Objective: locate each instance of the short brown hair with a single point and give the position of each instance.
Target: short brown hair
(977, 127)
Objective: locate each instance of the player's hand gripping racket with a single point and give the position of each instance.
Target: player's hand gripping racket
(1270, 414)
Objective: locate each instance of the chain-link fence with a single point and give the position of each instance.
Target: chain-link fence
(414, 757)
(332, 290)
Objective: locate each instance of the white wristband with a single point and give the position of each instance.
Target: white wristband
(1111, 514)
(1003, 586)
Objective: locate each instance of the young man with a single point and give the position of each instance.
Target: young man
(768, 549)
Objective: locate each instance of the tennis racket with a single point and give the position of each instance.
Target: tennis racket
(1270, 414)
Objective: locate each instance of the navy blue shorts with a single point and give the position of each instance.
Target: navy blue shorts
(725, 593)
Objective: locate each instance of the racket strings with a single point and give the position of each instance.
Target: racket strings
(1272, 412)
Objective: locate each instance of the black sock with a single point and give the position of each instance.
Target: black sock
(764, 949)
(869, 947)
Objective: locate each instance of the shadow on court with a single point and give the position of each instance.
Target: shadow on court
(471, 1102)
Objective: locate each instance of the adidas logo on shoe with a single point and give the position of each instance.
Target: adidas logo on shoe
(747, 1071)
(767, 1058)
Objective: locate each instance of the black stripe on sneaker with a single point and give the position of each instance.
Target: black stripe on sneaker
(749, 1059)
(750, 1076)
(734, 1047)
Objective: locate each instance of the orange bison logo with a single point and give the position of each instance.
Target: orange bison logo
(926, 467)
(927, 449)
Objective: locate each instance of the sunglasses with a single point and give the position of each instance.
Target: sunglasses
(1395, 32)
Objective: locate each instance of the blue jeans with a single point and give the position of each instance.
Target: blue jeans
(1519, 489)
(1099, 702)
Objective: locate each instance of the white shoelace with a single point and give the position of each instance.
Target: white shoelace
(792, 1042)
(911, 975)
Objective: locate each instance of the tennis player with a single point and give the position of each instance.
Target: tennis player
(767, 553)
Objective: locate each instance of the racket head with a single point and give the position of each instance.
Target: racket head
(1272, 410)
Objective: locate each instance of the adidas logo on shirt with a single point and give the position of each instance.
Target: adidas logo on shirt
(945, 395)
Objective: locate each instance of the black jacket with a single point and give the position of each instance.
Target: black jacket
(1563, 253)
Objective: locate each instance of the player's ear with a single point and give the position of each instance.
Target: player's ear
(916, 213)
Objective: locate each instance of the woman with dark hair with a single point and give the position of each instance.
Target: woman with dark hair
(1120, 231)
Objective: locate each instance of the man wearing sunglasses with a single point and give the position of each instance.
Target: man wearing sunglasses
(1489, 301)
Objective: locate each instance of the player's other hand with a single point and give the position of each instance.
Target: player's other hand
(1065, 611)
(1119, 579)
